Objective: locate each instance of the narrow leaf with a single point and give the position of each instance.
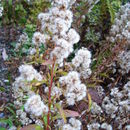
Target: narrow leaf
(89, 101)
(69, 113)
(61, 113)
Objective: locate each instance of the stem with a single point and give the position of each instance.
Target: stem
(49, 97)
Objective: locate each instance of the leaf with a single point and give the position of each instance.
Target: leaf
(45, 120)
(62, 113)
(13, 44)
(10, 2)
(48, 62)
(11, 110)
(89, 101)
(94, 95)
(2, 89)
(61, 72)
(7, 121)
(11, 105)
(111, 10)
(32, 127)
(1, 128)
(22, 108)
(69, 113)
(104, 75)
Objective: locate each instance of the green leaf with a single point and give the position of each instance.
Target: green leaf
(89, 102)
(7, 121)
(22, 108)
(2, 89)
(1, 128)
(61, 111)
(32, 127)
(11, 110)
(38, 128)
(10, 2)
(13, 44)
(45, 120)
(111, 11)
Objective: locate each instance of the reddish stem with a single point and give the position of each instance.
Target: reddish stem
(49, 97)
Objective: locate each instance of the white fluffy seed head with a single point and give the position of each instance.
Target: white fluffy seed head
(71, 79)
(73, 36)
(29, 73)
(35, 106)
(74, 90)
(74, 124)
(38, 38)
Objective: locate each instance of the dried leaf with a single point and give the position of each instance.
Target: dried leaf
(94, 95)
(48, 62)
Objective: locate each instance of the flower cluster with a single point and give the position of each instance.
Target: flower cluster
(74, 89)
(124, 61)
(96, 109)
(1, 9)
(22, 40)
(97, 126)
(82, 62)
(120, 30)
(55, 30)
(57, 36)
(27, 74)
(55, 92)
(116, 105)
(22, 88)
(74, 124)
(35, 106)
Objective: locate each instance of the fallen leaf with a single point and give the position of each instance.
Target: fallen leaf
(70, 113)
(94, 95)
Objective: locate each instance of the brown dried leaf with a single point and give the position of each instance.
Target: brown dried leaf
(48, 62)
(70, 113)
(94, 95)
